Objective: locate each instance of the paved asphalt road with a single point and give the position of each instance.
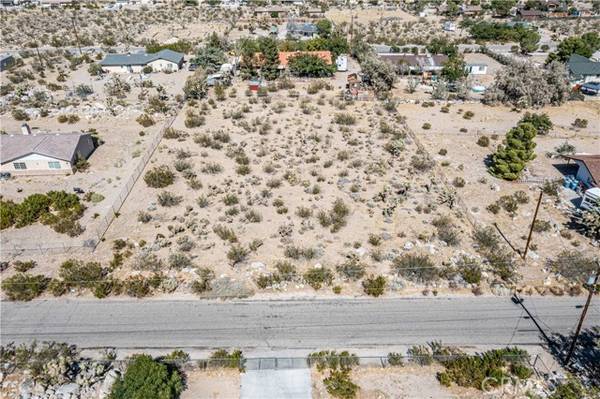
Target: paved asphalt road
(298, 324)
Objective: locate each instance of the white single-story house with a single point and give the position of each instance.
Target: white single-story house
(476, 69)
(589, 168)
(165, 61)
(43, 154)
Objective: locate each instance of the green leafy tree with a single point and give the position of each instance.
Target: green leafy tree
(146, 378)
(441, 45)
(324, 28)
(584, 45)
(542, 122)
(528, 41)
(249, 48)
(511, 158)
(210, 58)
(379, 75)
(502, 7)
(310, 65)
(454, 69)
(270, 53)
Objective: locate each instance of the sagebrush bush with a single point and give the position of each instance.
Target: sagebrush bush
(317, 277)
(416, 268)
(374, 286)
(24, 287)
(159, 177)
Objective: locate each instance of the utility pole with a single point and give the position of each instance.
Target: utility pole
(537, 208)
(591, 290)
(76, 35)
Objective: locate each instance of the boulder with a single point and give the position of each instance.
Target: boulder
(111, 377)
(67, 391)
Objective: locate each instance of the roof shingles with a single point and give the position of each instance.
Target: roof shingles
(59, 146)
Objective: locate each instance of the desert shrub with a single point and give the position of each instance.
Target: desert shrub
(483, 141)
(203, 283)
(178, 260)
(159, 177)
(230, 199)
(253, 216)
(173, 134)
(286, 270)
(426, 126)
(339, 385)
(168, 199)
(580, 123)
(24, 266)
(488, 368)
(144, 217)
(225, 233)
(57, 209)
(149, 379)
(304, 212)
(267, 280)
(237, 254)
(458, 182)
(420, 354)
(344, 119)
(395, 359)
(212, 168)
(336, 217)
(374, 286)
(416, 268)
(551, 187)
(145, 120)
(446, 230)
(79, 274)
(193, 119)
(573, 266)
(316, 277)
(352, 268)
(501, 264)
(469, 269)
(24, 287)
(19, 115)
(540, 226)
(223, 359)
(333, 360)
(422, 162)
(136, 286)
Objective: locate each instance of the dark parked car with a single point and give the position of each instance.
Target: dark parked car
(192, 67)
(590, 88)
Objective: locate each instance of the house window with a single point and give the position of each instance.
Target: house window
(54, 165)
(20, 165)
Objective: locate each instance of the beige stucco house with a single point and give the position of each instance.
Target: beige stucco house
(30, 154)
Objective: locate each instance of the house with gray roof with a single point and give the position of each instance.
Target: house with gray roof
(300, 30)
(44, 153)
(583, 70)
(165, 61)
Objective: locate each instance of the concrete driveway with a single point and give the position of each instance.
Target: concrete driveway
(276, 384)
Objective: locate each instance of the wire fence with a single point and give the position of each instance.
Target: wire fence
(95, 235)
(333, 361)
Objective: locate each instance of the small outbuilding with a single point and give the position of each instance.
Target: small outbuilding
(43, 154)
(163, 61)
(588, 172)
(6, 61)
(476, 69)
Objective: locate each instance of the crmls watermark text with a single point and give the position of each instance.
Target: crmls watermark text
(506, 387)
